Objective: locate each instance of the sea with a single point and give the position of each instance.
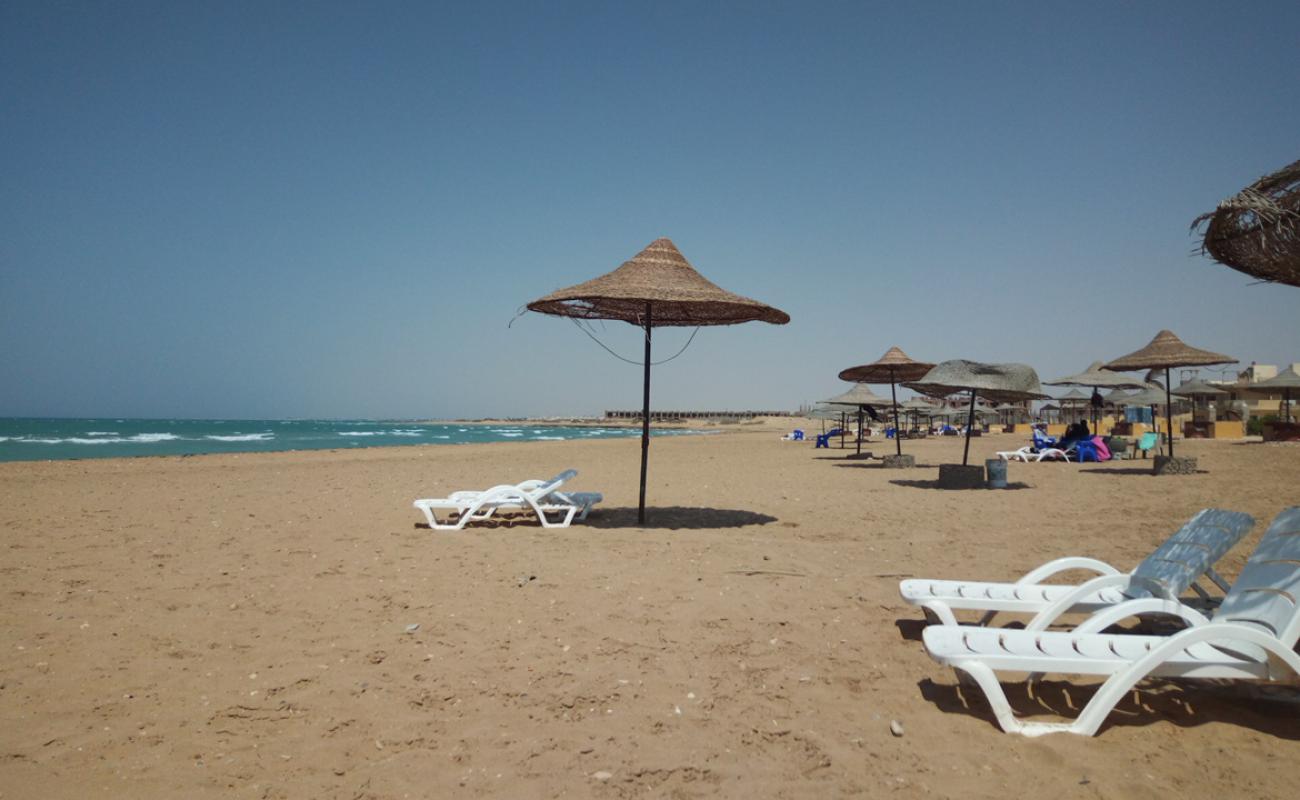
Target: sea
(29, 439)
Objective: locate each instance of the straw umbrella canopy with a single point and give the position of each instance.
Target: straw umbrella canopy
(995, 382)
(1096, 378)
(893, 367)
(657, 288)
(1287, 381)
(1167, 351)
(1150, 396)
(859, 397)
(1257, 230)
(1198, 388)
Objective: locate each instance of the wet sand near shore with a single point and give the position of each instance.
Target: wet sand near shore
(246, 626)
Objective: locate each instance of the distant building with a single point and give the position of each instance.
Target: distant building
(1256, 403)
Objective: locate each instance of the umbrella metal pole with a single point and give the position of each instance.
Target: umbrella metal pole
(898, 433)
(970, 420)
(859, 430)
(844, 421)
(645, 421)
(1169, 415)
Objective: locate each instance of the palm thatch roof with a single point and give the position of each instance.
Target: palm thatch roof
(1164, 352)
(1097, 378)
(1286, 379)
(1151, 396)
(1198, 389)
(662, 277)
(893, 366)
(859, 395)
(996, 382)
(826, 412)
(1257, 230)
(918, 404)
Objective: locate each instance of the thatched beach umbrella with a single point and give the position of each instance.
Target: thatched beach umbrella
(657, 288)
(893, 368)
(1096, 378)
(916, 408)
(1046, 410)
(1152, 395)
(1167, 351)
(1257, 231)
(860, 398)
(1009, 410)
(1286, 382)
(1198, 390)
(996, 382)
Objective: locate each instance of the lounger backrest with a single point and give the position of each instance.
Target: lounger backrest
(555, 483)
(1267, 593)
(1186, 555)
(1147, 441)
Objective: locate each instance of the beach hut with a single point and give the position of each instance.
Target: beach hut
(996, 382)
(1257, 230)
(658, 287)
(893, 367)
(1166, 351)
(861, 399)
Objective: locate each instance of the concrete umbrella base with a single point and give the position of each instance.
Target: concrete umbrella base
(960, 476)
(898, 461)
(1174, 465)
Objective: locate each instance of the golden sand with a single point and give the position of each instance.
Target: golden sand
(241, 626)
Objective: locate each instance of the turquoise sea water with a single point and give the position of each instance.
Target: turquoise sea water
(40, 439)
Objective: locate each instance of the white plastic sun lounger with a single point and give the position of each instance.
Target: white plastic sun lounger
(1252, 636)
(1168, 572)
(542, 497)
(1027, 454)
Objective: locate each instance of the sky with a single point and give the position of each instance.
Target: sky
(265, 210)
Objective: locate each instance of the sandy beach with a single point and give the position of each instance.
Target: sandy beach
(242, 626)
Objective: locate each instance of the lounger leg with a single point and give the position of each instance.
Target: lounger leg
(987, 680)
(941, 612)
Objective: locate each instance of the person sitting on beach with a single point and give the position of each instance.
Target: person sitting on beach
(1075, 433)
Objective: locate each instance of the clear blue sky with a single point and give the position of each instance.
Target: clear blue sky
(311, 209)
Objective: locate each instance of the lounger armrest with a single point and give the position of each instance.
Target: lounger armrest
(1067, 601)
(1103, 619)
(1223, 635)
(1062, 564)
